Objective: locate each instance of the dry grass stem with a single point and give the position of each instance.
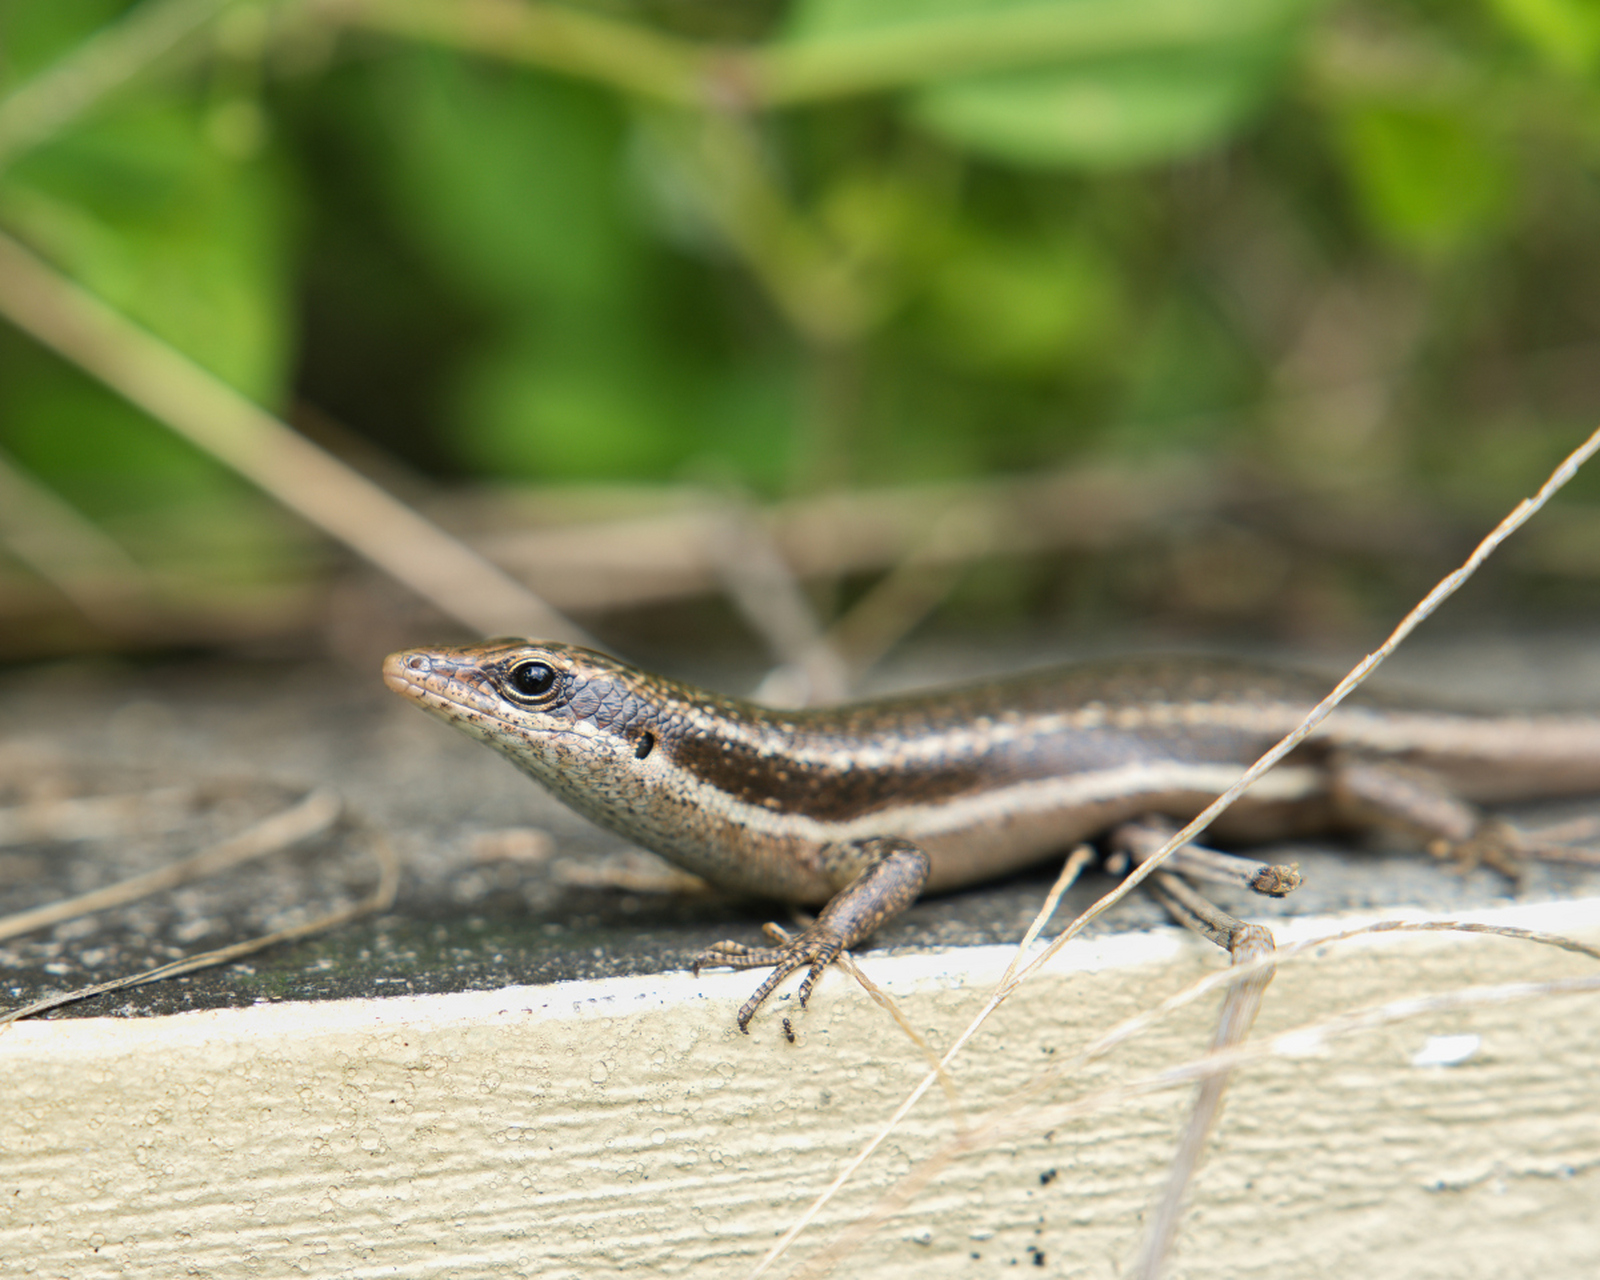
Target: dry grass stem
(1246, 944)
(40, 108)
(1069, 873)
(69, 552)
(380, 899)
(1004, 1122)
(217, 419)
(912, 589)
(594, 559)
(310, 817)
(763, 587)
(1445, 588)
(1074, 867)
(62, 818)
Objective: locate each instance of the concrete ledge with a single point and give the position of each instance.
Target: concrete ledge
(623, 1126)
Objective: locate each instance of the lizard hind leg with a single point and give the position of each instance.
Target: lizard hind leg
(1420, 803)
(881, 877)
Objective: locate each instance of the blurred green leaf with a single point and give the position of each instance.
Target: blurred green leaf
(1115, 112)
(511, 180)
(103, 453)
(1179, 80)
(1024, 305)
(1189, 379)
(145, 204)
(611, 411)
(160, 495)
(1565, 32)
(489, 288)
(35, 34)
(584, 410)
(892, 229)
(600, 364)
(1428, 180)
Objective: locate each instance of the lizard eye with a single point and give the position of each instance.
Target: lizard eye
(530, 679)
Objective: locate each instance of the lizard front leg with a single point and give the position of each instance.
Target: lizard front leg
(882, 876)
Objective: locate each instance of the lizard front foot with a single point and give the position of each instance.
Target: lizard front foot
(817, 947)
(882, 876)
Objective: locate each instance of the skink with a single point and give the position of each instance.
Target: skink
(862, 807)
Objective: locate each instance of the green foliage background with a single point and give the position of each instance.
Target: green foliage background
(883, 240)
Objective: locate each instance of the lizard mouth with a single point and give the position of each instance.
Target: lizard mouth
(395, 674)
(416, 674)
(440, 684)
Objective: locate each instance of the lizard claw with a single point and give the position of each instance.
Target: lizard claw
(731, 955)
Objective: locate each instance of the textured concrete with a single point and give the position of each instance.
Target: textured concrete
(620, 1127)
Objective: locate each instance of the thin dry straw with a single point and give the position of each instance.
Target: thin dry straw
(1446, 588)
(381, 897)
(310, 817)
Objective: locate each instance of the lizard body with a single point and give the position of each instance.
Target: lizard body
(864, 806)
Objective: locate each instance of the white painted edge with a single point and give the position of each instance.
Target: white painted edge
(603, 998)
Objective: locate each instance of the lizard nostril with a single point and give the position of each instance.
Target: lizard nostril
(415, 662)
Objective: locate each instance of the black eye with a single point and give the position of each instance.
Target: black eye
(530, 679)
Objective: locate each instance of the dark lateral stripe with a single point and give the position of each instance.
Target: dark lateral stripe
(828, 793)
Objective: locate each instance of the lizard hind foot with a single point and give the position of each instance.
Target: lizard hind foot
(1493, 843)
(816, 947)
(1508, 849)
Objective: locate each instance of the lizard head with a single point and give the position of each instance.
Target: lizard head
(553, 709)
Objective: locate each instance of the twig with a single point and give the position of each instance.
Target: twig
(212, 415)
